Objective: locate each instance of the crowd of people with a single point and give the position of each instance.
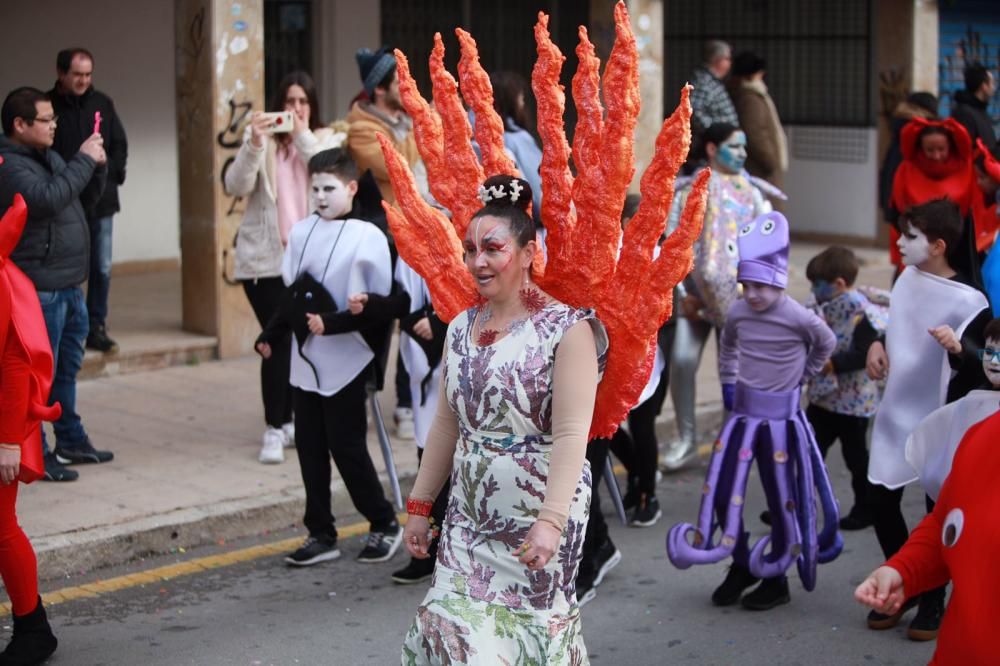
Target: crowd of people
(504, 515)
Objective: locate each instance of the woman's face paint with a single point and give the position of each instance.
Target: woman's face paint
(914, 246)
(759, 296)
(731, 155)
(991, 361)
(489, 255)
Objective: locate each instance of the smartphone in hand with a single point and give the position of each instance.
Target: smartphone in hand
(278, 122)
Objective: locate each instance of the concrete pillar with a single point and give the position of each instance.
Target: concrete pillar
(647, 24)
(220, 68)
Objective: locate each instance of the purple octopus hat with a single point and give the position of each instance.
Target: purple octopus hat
(763, 246)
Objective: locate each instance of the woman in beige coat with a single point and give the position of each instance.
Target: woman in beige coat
(270, 173)
(767, 147)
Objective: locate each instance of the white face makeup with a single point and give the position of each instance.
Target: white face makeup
(489, 255)
(760, 297)
(991, 364)
(914, 246)
(331, 196)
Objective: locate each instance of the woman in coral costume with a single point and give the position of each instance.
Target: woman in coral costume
(25, 379)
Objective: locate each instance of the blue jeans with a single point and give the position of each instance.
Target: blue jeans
(99, 282)
(66, 320)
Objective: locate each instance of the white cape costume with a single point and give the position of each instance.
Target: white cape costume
(918, 366)
(414, 357)
(931, 448)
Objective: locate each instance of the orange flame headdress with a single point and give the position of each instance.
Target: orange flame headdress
(630, 291)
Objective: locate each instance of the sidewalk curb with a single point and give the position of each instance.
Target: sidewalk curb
(109, 545)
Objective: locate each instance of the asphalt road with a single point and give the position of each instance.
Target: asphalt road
(646, 612)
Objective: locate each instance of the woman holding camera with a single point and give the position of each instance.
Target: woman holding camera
(270, 173)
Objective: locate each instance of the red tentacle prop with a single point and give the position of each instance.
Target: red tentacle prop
(478, 94)
(426, 240)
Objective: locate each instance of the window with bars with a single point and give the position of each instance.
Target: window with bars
(969, 33)
(818, 53)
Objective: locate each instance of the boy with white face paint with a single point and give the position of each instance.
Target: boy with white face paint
(334, 357)
(936, 320)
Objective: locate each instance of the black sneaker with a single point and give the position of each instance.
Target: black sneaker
(313, 551)
(927, 621)
(54, 470)
(737, 580)
(856, 519)
(606, 558)
(631, 497)
(881, 621)
(381, 546)
(82, 455)
(98, 340)
(585, 590)
(414, 572)
(647, 513)
(770, 593)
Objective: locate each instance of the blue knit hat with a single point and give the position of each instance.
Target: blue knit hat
(763, 246)
(374, 67)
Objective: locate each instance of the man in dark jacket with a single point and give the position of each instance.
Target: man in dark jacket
(54, 251)
(969, 106)
(76, 102)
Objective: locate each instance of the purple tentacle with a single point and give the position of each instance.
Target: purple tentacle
(805, 508)
(773, 463)
(683, 554)
(829, 540)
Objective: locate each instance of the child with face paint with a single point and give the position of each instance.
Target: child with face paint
(334, 357)
(843, 398)
(929, 357)
(735, 198)
(770, 346)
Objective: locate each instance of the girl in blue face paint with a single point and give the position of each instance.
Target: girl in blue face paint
(730, 154)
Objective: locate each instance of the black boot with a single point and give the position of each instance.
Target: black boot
(738, 579)
(927, 621)
(32, 641)
(770, 593)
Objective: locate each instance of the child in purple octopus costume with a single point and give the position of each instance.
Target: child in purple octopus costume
(770, 346)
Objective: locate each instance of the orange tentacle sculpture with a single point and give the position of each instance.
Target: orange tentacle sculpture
(478, 94)
(630, 291)
(426, 241)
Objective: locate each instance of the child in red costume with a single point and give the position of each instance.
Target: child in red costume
(958, 541)
(937, 162)
(984, 205)
(25, 379)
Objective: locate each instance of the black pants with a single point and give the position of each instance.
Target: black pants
(597, 528)
(645, 447)
(338, 426)
(852, 431)
(403, 394)
(264, 295)
(890, 527)
(440, 507)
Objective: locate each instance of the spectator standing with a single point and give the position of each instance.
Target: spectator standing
(710, 102)
(916, 105)
(76, 102)
(510, 91)
(54, 252)
(767, 147)
(270, 169)
(970, 105)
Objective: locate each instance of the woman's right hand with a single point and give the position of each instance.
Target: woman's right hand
(10, 463)
(416, 536)
(258, 128)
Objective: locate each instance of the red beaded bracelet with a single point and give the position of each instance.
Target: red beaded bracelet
(416, 507)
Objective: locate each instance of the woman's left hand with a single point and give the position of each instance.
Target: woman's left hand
(539, 545)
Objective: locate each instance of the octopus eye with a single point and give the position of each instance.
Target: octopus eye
(768, 228)
(953, 524)
(732, 249)
(747, 228)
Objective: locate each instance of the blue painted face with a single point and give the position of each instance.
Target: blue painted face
(823, 291)
(732, 154)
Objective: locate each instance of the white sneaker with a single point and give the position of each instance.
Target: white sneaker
(271, 452)
(288, 431)
(403, 416)
(679, 454)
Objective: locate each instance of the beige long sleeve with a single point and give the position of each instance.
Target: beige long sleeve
(439, 449)
(574, 387)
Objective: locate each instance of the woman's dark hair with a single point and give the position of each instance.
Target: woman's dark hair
(931, 130)
(832, 263)
(304, 81)
(716, 134)
(748, 63)
(992, 330)
(507, 87)
(516, 213)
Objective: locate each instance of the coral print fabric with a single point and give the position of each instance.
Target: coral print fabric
(484, 606)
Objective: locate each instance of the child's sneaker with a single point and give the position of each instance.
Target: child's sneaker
(770, 593)
(737, 580)
(414, 572)
(606, 558)
(288, 430)
(403, 416)
(647, 513)
(381, 546)
(271, 452)
(313, 551)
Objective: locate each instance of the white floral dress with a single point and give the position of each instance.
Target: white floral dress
(484, 606)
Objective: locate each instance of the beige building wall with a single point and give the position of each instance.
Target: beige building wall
(133, 45)
(342, 27)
